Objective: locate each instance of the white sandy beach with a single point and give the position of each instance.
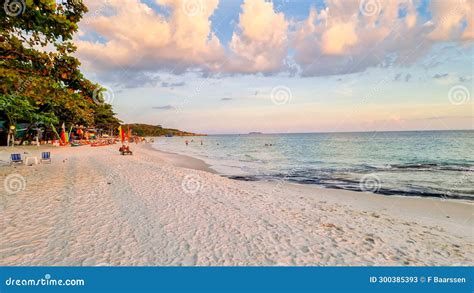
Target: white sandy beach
(92, 206)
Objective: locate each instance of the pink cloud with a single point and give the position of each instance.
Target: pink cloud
(344, 37)
(261, 45)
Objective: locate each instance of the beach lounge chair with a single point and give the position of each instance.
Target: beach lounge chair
(15, 159)
(46, 157)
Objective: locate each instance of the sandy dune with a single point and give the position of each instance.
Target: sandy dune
(92, 206)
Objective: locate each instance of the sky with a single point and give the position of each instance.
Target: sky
(236, 66)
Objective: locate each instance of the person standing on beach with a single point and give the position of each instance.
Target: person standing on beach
(186, 142)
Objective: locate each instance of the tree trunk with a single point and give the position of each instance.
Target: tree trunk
(26, 134)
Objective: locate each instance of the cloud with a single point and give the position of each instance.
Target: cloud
(451, 78)
(261, 43)
(448, 18)
(446, 78)
(130, 78)
(173, 84)
(338, 38)
(138, 37)
(167, 107)
(118, 38)
(440, 75)
(467, 78)
(345, 37)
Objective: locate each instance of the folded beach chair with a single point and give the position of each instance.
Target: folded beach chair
(46, 157)
(125, 150)
(15, 159)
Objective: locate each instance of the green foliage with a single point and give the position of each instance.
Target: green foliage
(17, 108)
(40, 80)
(151, 130)
(104, 117)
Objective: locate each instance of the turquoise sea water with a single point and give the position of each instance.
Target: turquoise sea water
(421, 163)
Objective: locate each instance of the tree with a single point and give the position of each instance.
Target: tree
(104, 117)
(37, 66)
(16, 108)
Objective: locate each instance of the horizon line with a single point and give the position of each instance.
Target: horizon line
(328, 132)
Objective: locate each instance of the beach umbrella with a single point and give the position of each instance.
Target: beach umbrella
(63, 133)
(121, 133)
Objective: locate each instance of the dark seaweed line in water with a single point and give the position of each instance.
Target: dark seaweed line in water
(403, 168)
(382, 191)
(434, 167)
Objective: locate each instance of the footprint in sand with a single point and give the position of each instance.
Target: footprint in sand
(369, 240)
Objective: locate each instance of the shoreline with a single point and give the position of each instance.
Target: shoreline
(183, 161)
(186, 161)
(96, 207)
(412, 205)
